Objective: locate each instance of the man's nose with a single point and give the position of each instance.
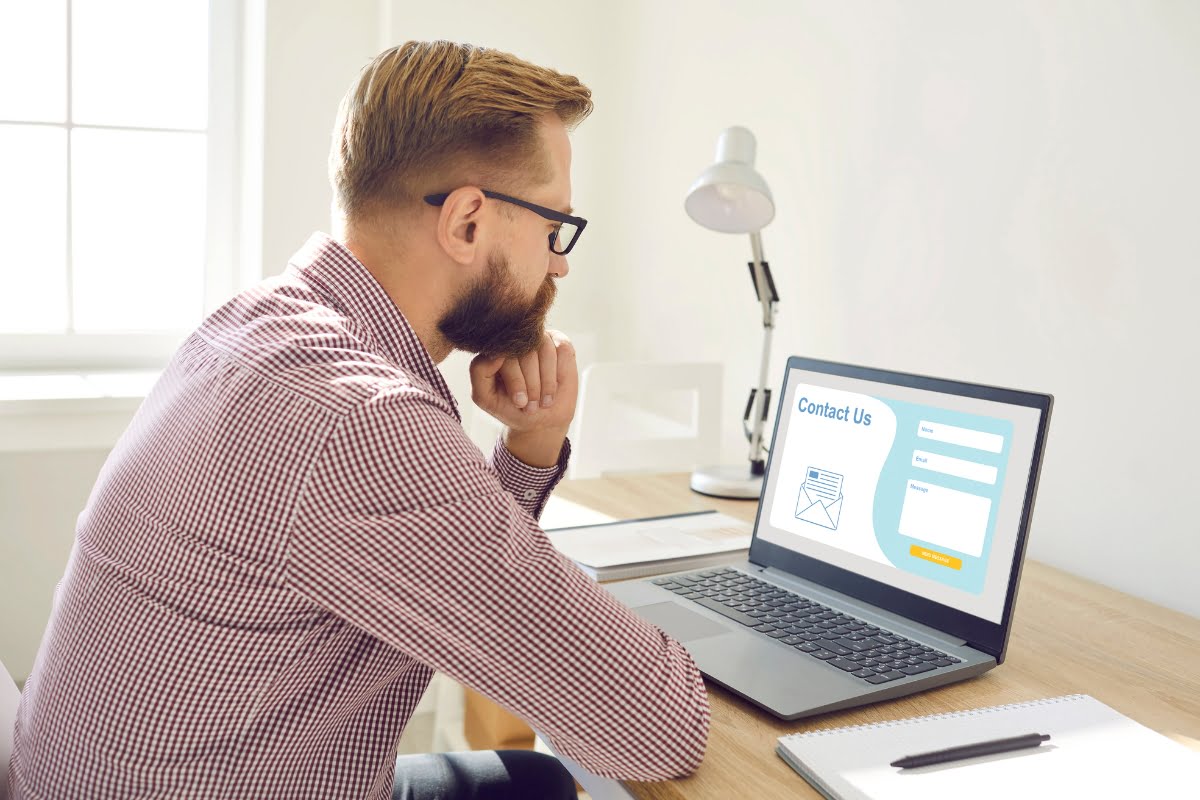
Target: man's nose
(558, 266)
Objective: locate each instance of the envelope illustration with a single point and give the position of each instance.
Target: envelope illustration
(820, 500)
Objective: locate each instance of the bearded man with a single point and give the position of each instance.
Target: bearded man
(294, 533)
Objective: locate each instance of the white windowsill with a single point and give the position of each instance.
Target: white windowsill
(68, 410)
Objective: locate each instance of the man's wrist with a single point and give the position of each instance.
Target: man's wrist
(539, 448)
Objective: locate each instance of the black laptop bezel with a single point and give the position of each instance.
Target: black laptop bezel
(982, 634)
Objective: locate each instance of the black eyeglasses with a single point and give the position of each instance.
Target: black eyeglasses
(565, 234)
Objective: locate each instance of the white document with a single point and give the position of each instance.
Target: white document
(655, 539)
(1093, 752)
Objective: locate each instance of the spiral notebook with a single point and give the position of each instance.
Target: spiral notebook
(1093, 751)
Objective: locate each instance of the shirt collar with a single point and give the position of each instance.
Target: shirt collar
(350, 288)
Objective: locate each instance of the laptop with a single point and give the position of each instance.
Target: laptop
(887, 549)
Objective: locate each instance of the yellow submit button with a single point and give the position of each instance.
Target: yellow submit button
(935, 557)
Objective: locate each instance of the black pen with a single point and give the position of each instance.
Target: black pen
(972, 750)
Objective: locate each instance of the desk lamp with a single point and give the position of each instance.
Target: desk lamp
(731, 197)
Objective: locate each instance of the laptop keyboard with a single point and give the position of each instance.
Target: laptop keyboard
(865, 651)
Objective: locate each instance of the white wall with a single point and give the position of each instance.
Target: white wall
(1000, 192)
(41, 494)
(313, 50)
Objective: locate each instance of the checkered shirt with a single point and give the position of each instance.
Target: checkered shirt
(291, 536)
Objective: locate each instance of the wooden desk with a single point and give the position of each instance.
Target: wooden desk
(1070, 635)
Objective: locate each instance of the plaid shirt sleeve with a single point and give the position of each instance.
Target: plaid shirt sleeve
(406, 532)
(529, 486)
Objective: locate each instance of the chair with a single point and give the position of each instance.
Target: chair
(9, 697)
(637, 416)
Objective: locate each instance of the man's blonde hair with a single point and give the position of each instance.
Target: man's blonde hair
(430, 116)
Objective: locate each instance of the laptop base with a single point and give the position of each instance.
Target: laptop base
(770, 674)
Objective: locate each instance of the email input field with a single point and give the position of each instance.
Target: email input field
(947, 465)
(964, 437)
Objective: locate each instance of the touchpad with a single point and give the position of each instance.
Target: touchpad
(679, 622)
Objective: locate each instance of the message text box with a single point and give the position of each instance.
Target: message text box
(945, 517)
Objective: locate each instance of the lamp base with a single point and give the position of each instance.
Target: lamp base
(733, 483)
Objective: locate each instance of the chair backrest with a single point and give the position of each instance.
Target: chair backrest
(637, 416)
(9, 697)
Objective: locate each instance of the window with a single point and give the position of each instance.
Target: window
(117, 198)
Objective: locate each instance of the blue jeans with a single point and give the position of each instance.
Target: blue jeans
(483, 774)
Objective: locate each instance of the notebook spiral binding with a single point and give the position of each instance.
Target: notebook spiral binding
(974, 712)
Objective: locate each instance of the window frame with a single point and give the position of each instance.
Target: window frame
(223, 273)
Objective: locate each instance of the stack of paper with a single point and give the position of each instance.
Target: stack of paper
(654, 546)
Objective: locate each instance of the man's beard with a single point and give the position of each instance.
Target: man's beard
(494, 318)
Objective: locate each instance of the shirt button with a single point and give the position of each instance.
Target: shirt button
(530, 494)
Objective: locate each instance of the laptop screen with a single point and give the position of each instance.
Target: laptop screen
(914, 483)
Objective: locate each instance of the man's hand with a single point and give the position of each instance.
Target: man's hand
(534, 396)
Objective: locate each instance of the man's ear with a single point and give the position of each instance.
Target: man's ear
(458, 224)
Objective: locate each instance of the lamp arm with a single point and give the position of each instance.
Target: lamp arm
(764, 286)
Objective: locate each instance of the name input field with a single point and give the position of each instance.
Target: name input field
(961, 468)
(964, 437)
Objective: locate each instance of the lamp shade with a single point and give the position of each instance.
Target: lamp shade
(730, 196)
